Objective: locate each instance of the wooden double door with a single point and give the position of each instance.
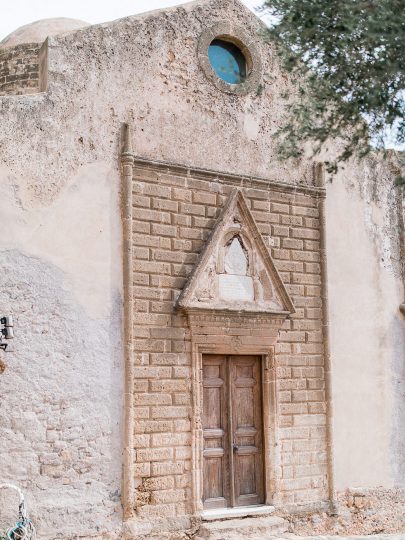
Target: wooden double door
(232, 431)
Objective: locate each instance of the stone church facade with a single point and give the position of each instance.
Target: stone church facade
(202, 332)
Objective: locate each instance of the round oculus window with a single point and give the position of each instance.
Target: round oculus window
(228, 61)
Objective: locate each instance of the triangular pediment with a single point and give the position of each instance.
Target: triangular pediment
(235, 270)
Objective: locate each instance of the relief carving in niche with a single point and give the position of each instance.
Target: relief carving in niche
(235, 270)
(235, 283)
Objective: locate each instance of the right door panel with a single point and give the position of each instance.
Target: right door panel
(246, 426)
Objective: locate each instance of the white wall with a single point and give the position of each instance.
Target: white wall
(367, 329)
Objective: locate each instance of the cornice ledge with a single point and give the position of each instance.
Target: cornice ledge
(242, 181)
(233, 313)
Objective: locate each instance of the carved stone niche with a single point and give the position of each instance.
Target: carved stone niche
(235, 274)
(236, 303)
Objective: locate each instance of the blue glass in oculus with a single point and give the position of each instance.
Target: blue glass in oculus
(227, 61)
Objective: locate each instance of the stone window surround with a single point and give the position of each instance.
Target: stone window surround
(238, 36)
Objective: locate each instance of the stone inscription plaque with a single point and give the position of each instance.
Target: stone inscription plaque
(236, 288)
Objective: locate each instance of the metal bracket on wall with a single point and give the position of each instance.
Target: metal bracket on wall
(7, 331)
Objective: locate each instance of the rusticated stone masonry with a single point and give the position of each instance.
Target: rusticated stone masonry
(174, 212)
(19, 69)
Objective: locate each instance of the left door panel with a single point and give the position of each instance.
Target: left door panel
(215, 434)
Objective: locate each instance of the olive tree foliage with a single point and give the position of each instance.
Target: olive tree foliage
(347, 58)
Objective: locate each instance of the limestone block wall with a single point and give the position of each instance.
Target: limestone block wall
(174, 211)
(20, 69)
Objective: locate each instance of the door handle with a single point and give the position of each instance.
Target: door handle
(235, 447)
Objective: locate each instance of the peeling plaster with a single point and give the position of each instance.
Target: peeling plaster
(79, 232)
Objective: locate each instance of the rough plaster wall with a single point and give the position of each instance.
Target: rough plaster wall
(58, 171)
(367, 329)
(145, 69)
(60, 408)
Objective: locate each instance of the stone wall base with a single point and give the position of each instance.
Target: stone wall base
(359, 511)
(178, 528)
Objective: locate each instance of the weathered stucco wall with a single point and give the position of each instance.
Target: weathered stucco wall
(145, 70)
(60, 412)
(61, 245)
(367, 328)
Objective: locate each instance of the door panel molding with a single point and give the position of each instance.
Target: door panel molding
(215, 453)
(246, 384)
(269, 413)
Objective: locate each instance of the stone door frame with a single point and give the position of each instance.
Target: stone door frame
(231, 339)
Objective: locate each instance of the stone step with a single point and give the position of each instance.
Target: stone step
(251, 528)
(218, 514)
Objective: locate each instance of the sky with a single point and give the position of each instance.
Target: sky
(21, 12)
